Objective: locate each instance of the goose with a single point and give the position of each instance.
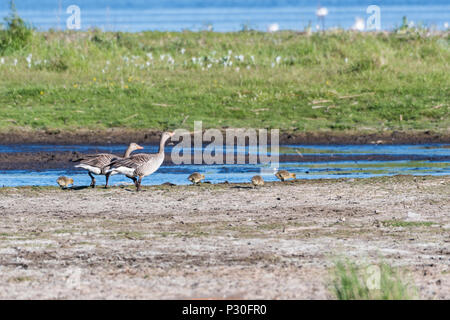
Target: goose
(141, 165)
(196, 177)
(285, 175)
(64, 182)
(98, 164)
(257, 181)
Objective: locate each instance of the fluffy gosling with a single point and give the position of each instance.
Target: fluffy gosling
(64, 182)
(196, 177)
(285, 175)
(257, 181)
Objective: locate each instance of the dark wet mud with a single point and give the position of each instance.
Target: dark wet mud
(116, 136)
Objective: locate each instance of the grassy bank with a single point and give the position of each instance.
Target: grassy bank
(161, 80)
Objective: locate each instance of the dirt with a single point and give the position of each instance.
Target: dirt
(221, 241)
(148, 136)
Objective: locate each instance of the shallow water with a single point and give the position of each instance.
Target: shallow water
(225, 15)
(323, 169)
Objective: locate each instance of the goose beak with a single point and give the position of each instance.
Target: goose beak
(139, 147)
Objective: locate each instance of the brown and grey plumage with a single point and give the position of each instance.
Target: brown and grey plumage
(99, 164)
(64, 182)
(140, 165)
(285, 175)
(257, 181)
(196, 177)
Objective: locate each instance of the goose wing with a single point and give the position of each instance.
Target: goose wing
(97, 160)
(133, 161)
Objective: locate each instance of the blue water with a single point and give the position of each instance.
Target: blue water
(328, 169)
(225, 15)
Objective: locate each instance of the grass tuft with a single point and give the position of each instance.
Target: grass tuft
(378, 282)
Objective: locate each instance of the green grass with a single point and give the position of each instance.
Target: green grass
(378, 282)
(407, 224)
(354, 81)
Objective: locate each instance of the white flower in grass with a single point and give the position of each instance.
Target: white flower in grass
(162, 57)
(126, 59)
(149, 55)
(15, 62)
(274, 27)
(147, 63)
(278, 59)
(209, 66)
(359, 24)
(237, 69)
(2, 60)
(253, 59)
(273, 64)
(230, 52)
(183, 50)
(107, 62)
(28, 58)
(248, 67)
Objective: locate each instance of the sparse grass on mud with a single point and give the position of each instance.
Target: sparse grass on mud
(375, 282)
(164, 80)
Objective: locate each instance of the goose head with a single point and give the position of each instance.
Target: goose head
(166, 136)
(134, 146)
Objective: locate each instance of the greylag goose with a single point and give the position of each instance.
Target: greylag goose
(285, 175)
(257, 181)
(196, 177)
(64, 182)
(98, 164)
(141, 165)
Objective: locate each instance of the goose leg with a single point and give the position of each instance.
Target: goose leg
(93, 180)
(107, 179)
(138, 184)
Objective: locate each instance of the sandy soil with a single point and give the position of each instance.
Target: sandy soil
(221, 241)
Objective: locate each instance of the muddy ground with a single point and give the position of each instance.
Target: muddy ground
(148, 136)
(221, 241)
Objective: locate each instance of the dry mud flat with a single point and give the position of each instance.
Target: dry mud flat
(221, 241)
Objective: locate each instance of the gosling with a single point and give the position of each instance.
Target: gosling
(64, 182)
(285, 175)
(196, 178)
(257, 181)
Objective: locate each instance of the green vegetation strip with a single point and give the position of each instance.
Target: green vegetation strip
(397, 223)
(163, 80)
